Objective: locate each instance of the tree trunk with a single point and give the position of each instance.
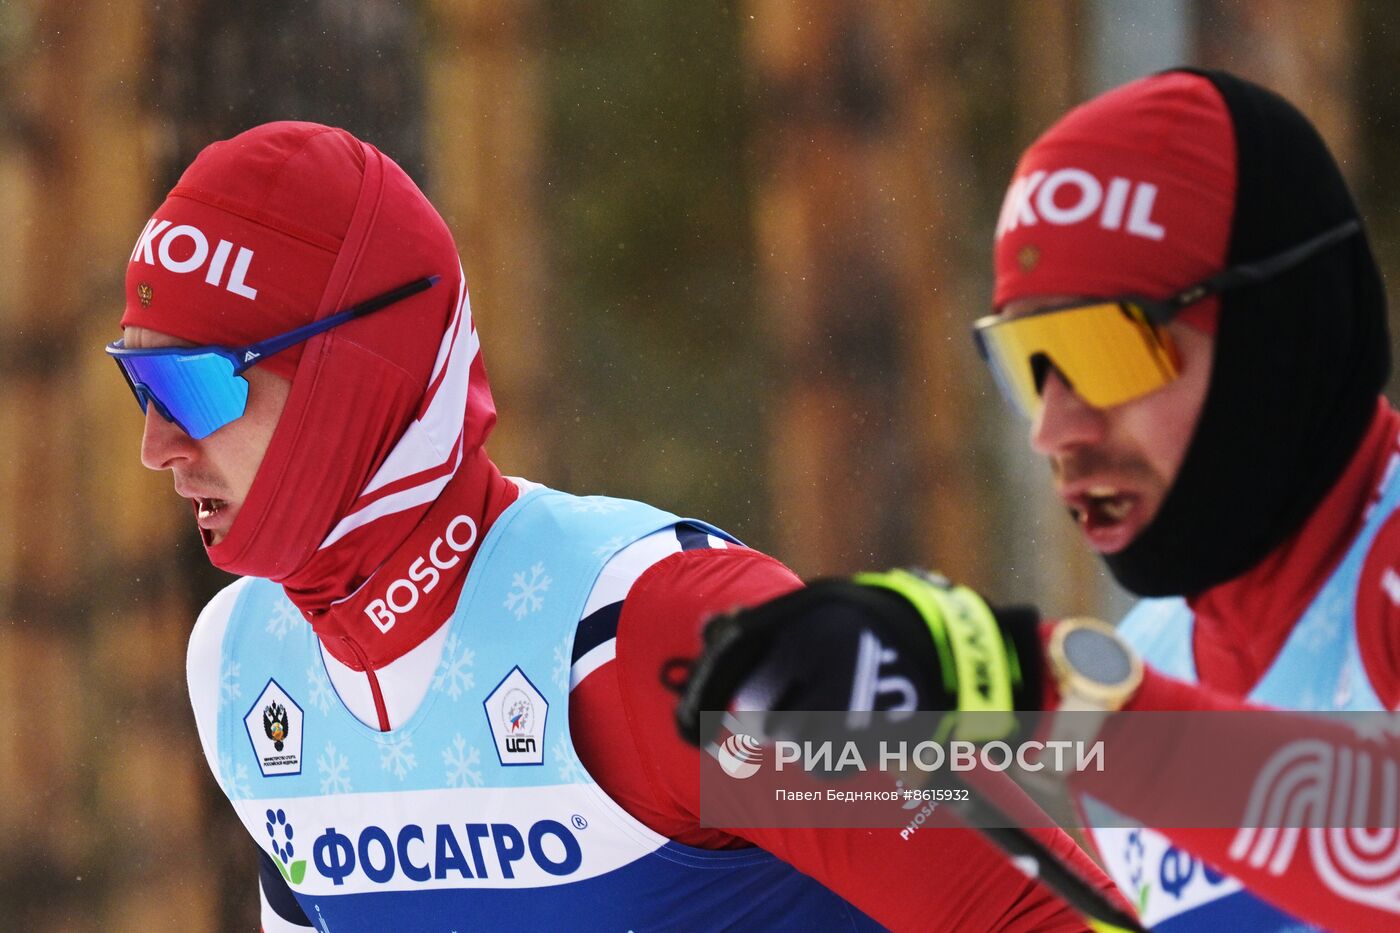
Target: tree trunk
(485, 67)
(1305, 50)
(871, 455)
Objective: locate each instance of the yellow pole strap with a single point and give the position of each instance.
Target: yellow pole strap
(970, 648)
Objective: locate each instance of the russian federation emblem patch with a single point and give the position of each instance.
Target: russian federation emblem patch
(274, 727)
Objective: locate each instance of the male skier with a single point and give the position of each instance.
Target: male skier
(434, 696)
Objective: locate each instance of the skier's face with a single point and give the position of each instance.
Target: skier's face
(1113, 466)
(214, 473)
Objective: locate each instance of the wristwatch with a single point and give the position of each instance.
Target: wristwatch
(1094, 668)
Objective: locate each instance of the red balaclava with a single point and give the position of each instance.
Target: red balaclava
(379, 447)
(1129, 194)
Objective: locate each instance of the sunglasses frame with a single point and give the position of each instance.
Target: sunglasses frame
(243, 358)
(1160, 312)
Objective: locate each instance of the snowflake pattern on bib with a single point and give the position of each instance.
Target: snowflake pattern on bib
(478, 805)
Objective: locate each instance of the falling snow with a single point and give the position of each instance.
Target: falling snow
(334, 768)
(524, 596)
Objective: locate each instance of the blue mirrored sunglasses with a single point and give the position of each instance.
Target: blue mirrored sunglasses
(201, 389)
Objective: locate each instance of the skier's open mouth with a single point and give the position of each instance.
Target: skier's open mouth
(1106, 515)
(214, 517)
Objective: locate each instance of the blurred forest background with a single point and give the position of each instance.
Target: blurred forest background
(723, 256)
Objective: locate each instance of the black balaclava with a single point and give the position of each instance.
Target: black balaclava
(1299, 361)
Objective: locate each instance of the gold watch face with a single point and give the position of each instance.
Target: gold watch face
(1090, 660)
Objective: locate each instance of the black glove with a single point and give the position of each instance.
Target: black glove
(902, 640)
